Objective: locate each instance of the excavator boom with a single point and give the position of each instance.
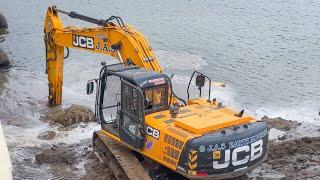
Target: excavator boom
(119, 40)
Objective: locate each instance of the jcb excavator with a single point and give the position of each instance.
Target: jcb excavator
(144, 125)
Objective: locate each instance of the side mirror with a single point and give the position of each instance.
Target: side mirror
(90, 87)
(200, 80)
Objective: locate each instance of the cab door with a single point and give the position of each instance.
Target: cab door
(132, 124)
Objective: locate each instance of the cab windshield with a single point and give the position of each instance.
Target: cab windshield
(155, 99)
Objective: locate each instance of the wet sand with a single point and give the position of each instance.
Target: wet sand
(72, 156)
(61, 161)
(294, 154)
(292, 159)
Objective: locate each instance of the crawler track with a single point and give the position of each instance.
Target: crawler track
(121, 161)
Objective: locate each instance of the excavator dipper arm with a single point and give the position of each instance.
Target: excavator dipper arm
(118, 40)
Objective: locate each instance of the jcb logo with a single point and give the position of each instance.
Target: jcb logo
(251, 152)
(82, 41)
(153, 132)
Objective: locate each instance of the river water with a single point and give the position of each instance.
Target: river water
(266, 52)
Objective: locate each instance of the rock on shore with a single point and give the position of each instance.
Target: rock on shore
(69, 116)
(3, 22)
(4, 59)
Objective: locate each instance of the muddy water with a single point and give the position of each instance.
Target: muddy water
(266, 52)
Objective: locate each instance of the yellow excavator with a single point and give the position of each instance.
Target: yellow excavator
(145, 126)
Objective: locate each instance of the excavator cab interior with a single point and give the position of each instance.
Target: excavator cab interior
(155, 98)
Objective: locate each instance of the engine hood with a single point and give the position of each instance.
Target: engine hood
(200, 119)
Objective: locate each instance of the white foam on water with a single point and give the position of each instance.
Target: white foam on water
(23, 137)
(304, 113)
(28, 137)
(75, 135)
(180, 60)
(224, 94)
(24, 102)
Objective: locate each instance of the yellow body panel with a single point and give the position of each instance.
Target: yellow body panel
(207, 118)
(176, 130)
(167, 149)
(192, 121)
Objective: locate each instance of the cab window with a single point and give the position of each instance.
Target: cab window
(155, 99)
(131, 101)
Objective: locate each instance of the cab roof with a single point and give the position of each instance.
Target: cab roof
(138, 76)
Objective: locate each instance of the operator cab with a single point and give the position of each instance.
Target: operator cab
(154, 87)
(125, 94)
